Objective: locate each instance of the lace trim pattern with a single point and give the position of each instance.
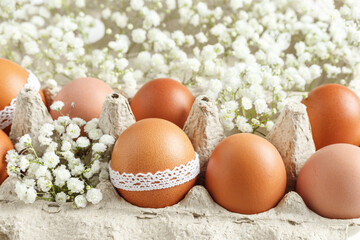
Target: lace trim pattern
(7, 114)
(159, 180)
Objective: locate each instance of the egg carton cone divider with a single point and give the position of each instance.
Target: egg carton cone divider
(197, 216)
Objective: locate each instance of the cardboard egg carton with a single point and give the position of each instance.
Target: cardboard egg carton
(197, 216)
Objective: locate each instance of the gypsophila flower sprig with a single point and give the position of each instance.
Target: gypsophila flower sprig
(69, 169)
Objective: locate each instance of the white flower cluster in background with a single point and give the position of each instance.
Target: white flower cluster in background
(245, 54)
(69, 169)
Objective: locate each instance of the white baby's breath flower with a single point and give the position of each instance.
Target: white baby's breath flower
(80, 3)
(80, 201)
(41, 171)
(107, 139)
(47, 129)
(12, 169)
(64, 120)
(138, 35)
(201, 38)
(95, 134)
(12, 156)
(32, 169)
(75, 185)
(94, 196)
(52, 147)
(99, 147)
(91, 125)
(88, 174)
(136, 4)
(269, 125)
(50, 159)
(59, 127)
(45, 141)
(68, 155)
(246, 103)
(62, 175)
(74, 161)
(25, 193)
(57, 106)
(24, 142)
(44, 184)
(82, 142)
(95, 167)
(24, 163)
(20, 190)
(77, 169)
(260, 106)
(60, 197)
(29, 182)
(30, 195)
(78, 121)
(66, 146)
(73, 130)
(31, 47)
(243, 125)
(227, 123)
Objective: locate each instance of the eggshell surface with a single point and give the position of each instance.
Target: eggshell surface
(88, 96)
(148, 146)
(329, 182)
(246, 174)
(163, 98)
(334, 113)
(12, 79)
(5, 146)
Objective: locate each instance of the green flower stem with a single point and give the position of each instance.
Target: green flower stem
(33, 150)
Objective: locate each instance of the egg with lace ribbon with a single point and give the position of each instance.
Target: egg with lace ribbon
(153, 164)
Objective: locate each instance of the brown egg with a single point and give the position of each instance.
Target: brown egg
(163, 98)
(88, 96)
(329, 182)
(148, 146)
(12, 79)
(5, 146)
(334, 113)
(246, 174)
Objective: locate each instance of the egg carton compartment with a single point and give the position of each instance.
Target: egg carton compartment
(197, 216)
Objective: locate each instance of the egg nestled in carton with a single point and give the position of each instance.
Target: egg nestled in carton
(5, 146)
(246, 174)
(153, 164)
(329, 182)
(83, 98)
(12, 79)
(334, 113)
(163, 98)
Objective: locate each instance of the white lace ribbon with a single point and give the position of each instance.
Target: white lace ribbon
(159, 180)
(7, 114)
